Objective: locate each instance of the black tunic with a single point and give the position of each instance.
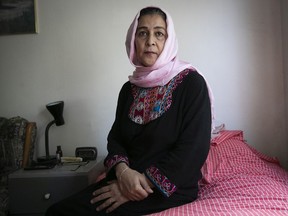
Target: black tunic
(170, 150)
(175, 144)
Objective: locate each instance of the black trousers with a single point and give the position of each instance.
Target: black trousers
(79, 204)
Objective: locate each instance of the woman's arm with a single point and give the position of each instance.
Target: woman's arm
(133, 184)
(116, 150)
(182, 164)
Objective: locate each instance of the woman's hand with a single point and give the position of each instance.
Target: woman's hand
(112, 196)
(134, 185)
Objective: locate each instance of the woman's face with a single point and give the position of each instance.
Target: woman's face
(150, 38)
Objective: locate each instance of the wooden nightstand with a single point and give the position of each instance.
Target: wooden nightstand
(31, 192)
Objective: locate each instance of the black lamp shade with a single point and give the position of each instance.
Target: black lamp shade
(56, 109)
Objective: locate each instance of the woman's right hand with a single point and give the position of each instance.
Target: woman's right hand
(110, 195)
(133, 184)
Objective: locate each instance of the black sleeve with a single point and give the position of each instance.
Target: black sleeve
(116, 150)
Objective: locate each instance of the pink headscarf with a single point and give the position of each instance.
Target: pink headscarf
(166, 66)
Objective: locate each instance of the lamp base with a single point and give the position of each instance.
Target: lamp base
(50, 160)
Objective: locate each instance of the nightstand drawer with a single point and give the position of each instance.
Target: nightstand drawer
(35, 195)
(31, 192)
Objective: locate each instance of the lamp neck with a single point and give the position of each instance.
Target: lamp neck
(47, 138)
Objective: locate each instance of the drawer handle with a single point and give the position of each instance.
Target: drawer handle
(47, 196)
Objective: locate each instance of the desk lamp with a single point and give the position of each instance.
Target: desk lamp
(56, 109)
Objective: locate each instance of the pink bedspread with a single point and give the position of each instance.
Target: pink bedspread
(237, 180)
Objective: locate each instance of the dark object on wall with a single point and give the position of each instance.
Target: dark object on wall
(86, 153)
(18, 17)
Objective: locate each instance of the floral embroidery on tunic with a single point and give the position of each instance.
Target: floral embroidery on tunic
(115, 159)
(151, 103)
(161, 181)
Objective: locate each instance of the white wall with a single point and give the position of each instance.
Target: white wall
(79, 57)
(284, 7)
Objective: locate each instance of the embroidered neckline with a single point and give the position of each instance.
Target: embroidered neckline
(151, 103)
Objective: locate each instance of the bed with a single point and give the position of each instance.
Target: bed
(237, 180)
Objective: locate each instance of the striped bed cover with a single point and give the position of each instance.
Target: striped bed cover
(237, 180)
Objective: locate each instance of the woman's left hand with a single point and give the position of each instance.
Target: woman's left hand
(112, 196)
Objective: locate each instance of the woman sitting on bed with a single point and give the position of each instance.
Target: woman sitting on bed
(161, 134)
